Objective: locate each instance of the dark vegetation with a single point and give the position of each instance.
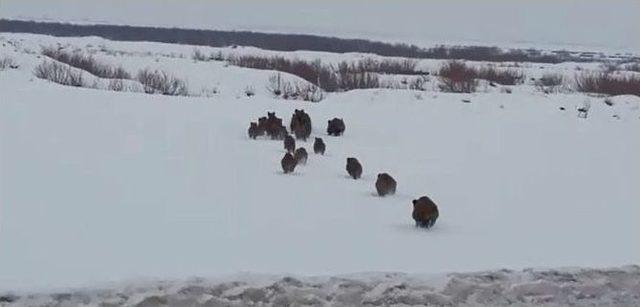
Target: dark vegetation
(608, 83)
(314, 72)
(385, 66)
(292, 42)
(331, 78)
(153, 81)
(457, 77)
(500, 76)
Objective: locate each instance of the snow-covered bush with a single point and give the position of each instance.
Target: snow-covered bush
(160, 82)
(197, 55)
(309, 92)
(59, 73)
(418, 83)
(294, 91)
(549, 83)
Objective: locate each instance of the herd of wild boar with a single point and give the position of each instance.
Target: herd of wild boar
(425, 212)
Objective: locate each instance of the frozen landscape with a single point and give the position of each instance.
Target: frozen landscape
(118, 197)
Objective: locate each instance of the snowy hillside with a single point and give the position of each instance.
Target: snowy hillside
(100, 186)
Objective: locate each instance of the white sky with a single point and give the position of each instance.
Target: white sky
(571, 24)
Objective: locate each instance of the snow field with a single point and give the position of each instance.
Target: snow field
(102, 186)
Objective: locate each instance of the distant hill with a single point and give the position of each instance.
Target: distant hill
(292, 42)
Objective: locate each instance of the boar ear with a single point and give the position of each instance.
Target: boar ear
(414, 201)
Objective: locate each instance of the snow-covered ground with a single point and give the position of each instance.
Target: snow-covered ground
(99, 186)
(619, 287)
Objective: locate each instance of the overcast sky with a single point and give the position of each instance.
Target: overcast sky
(570, 24)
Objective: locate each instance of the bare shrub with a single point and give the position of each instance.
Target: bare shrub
(503, 77)
(549, 82)
(346, 76)
(314, 72)
(197, 55)
(118, 73)
(289, 91)
(390, 84)
(249, 91)
(275, 84)
(456, 77)
(160, 82)
(294, 91)
(309, 92)
(218, 56)
(398, 67)
(86, 62)
(609, 67)
(7, 62)
(59, 73)
(418, 83)
(209, 91)
(357, 75)
(632, 67)
(386, 66)
(606, 83)
(358, 80)
(116, 85)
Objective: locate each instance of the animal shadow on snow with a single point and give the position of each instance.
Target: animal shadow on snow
(396, 196)
(363, 178)
(410, 227)
(294, 174)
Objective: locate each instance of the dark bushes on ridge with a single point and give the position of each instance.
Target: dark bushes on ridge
(346, 76)
(313, 72)
(88, 63)
(457, 77)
